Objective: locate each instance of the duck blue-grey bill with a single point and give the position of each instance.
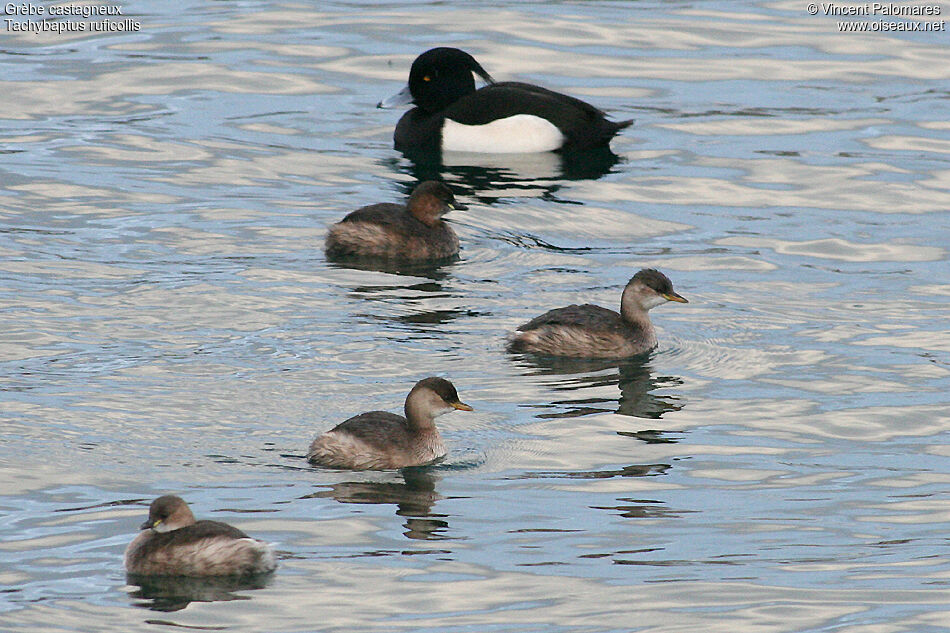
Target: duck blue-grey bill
(401, 98)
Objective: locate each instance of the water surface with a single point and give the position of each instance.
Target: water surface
(169, 324)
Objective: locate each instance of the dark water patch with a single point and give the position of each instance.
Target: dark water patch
(633, 470)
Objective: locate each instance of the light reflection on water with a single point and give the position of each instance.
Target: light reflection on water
(168, 323)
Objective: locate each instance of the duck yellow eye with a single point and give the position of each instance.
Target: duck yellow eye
(426, 78)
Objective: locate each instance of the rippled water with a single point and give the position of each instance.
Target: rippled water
(169, 324)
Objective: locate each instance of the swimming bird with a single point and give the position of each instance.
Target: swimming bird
(172, 543)
(503, 117)
(379, 440)
(590, 331)
(411, 231)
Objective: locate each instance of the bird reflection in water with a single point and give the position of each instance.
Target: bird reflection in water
(434, 270)
(634, 376)
(478, 176)
(413, 297)
(414, 498)
(419, 320)
(643, 509)
(629, 508)
(174, 593)
(638, 385)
